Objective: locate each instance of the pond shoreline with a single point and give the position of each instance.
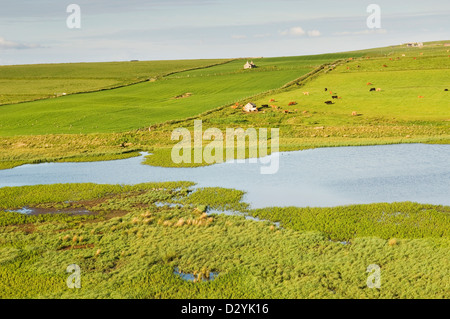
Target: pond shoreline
(321, 177)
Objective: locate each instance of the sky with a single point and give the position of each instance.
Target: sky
(36, 31)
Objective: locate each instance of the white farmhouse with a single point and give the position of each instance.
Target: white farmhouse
(250, 107)
(249, 65)
(414, 44)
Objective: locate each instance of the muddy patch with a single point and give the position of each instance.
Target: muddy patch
(183, 96)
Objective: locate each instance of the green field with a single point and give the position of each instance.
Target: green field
(19, 83)
(148, 103)
(401, 83)
(129, 247)
(103, 125)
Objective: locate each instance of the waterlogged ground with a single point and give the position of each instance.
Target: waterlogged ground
(323, 177)
(132, 246)
(180, 240)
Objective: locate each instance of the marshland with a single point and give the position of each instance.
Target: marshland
(381, 177)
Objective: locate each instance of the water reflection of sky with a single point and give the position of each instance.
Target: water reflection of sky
(192, 277)
(319, 177)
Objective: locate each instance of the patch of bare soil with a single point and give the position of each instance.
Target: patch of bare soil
(70, 211)
(183, 96)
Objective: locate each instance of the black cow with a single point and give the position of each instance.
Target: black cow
(373, 89)
(326, 89)
(328, 102)
(334, 97)
(446, 90)
(265, 105)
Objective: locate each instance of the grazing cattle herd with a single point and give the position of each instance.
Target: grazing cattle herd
(334, 96)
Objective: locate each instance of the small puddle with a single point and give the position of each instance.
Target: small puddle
(170, 205)
(192, 277)
(23, 210)
(42, 211)
(341, 242)
(234, 213)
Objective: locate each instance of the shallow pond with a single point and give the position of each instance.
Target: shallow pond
(318, 177)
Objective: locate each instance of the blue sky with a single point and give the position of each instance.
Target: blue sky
(35, 31)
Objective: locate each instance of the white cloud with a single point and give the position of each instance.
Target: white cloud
(314, 33)
(5, 45)
(295, 31)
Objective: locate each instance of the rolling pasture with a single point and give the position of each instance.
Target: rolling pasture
(144, 104)
(411, 105)
(129, 242)
(20, 83)
(412, 88)
(395, 114)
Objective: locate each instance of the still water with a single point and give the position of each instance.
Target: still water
(317, 178)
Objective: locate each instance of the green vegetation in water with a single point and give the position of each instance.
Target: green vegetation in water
(216, 198)
(134, 254)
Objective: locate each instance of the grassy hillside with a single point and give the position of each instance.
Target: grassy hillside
(396, 114)
(401, 84)
(148, 103)
(412, 106)
(19, 83)
(130, 247)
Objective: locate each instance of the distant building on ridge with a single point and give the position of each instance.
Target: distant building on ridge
(414, 44)
(250, 65)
